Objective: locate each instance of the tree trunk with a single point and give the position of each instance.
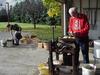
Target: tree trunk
(34, 21)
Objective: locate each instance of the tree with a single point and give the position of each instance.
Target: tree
(31, 11)
(28, 11)
(16, 13)
(53, 7)
(3, 15)
(53, 10)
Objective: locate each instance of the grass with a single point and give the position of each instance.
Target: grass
(44, 32)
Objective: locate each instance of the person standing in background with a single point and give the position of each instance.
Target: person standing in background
(79, 28)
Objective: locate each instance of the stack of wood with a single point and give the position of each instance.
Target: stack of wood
(44, 45)
(33, 39)
(29, 39)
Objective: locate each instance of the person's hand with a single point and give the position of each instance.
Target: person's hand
(70, 34)
(76, 34)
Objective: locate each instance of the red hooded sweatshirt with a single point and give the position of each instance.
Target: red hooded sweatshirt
(79, 25)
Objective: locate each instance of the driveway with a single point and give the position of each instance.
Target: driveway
(24, 59)
(20, 60)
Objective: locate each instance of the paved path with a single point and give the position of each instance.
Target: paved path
(20, 60)
(23, 59)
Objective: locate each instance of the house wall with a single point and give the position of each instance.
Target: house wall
(93, 33)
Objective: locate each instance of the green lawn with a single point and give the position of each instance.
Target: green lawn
(44, 32)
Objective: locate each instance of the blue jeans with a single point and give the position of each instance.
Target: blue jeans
(18, 36)
(83, 44)
(17, 41)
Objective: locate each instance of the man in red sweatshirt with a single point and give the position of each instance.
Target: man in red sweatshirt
(79, 28)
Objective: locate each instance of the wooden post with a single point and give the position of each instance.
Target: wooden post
(80, 6)
(64, 16)
(89, 8)
(50, 60)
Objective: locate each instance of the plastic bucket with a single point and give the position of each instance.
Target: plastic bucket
(88, 69)
(2, 43)
(9, 43)
(97, 48)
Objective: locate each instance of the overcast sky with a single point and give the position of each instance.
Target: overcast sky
(2, 1)
(11, 2)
